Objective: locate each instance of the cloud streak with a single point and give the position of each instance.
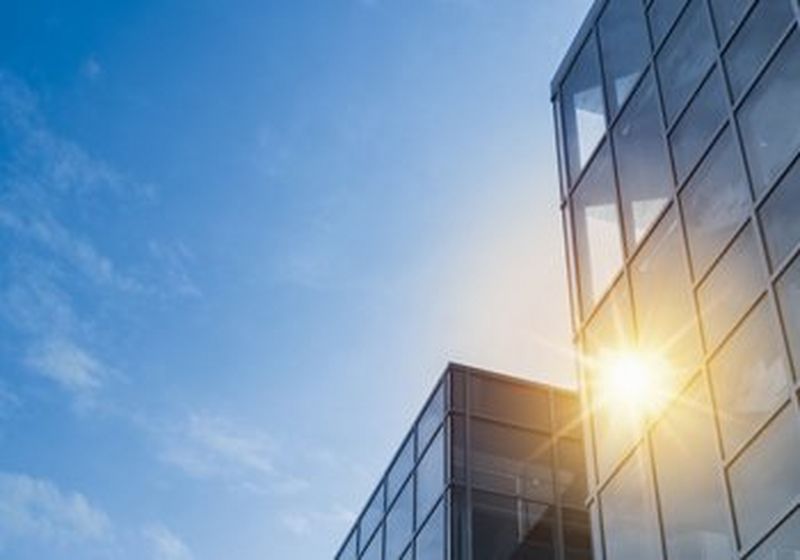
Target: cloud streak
(36, 509)
(165, 545)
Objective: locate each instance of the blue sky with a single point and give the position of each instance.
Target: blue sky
(241, 239)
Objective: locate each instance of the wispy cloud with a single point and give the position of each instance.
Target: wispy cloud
(164, 544)
(214, 447)
(59, 273)
(66, 363)
(91, 68)
(38, 510)
(301, 523)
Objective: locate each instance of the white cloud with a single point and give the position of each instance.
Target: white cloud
(165, 544)
(66, 363)
(301, 523)
(37, 510)
(213, 447)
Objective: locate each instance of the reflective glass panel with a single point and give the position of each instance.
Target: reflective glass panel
(789, 297)
(511, 461)
(584, 114)
(753, 42)
(577, 534)
(510, 402)
(689, 483)
(349, 551)
(568, 415)
(625, 47)
(697, 125)
(664, 305)
(609, 333)
(727, 14)
(685, 58)
(662, 15)
(749, 375)
(766, 478)
(430, 476)
(458, 442)
(731, 288)
(401, 468)
(644, 176)
(374, 549)
(597, 232)
(716, 202)
(783, 544)
(371, 516)
(431, 418)
(629, 515)
(505, 527)
(430, 541)
(571, 478)
(400, 522)
(780, 217)
(771, 133)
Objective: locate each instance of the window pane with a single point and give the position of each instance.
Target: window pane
(689, 482)
(644, 176)
(779, 216)
(459, 534)
(577, 534)
(504, 527)
(400, 522)
(770, 132)
(754, 41)
(597, 231)
(371, 517)
(401, 468)
(458, 442)
(749, 375)
(715, 202)
(584, 115)
(374, 549)
(431, 419)
(664, 305)
(783, 544)
(625, 47)
(789, 297)
(349, 551)
(430, 476)
(662, 16)
(629, 515)
(766, 478)
(685, 58)
(609, 333)
(733, 285)
(697, 126)
(727, 14)
(510, 402)
(568, 415)
(571, 478)
(511, 461)
(430, 541)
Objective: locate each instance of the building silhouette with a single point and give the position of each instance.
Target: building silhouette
(491, 469)
(678, 132)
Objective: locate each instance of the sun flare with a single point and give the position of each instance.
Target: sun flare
(634, 380)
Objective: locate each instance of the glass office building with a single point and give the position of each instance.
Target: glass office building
(678, 133)
(492, 469)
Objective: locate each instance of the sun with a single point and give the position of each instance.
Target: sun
(634, 380)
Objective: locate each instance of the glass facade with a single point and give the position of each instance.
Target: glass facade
(696, 173)
(492, 470)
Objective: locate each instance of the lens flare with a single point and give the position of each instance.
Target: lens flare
(635, 381)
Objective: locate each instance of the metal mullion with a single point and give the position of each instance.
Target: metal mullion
(715, 137)
(647, 448)
(694, 94)
(751, 85)
(765, 424)
(560, 545)
(506, 424)
(468, 465)
(737, 27)
(779, 519)
(657, 48)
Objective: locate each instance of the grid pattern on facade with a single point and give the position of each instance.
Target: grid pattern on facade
(678, 135)
(498, 472)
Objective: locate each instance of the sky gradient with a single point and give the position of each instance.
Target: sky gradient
(240, 240)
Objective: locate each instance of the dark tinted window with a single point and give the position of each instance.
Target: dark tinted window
(510, 402)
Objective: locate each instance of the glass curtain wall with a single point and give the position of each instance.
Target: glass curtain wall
(681, 210)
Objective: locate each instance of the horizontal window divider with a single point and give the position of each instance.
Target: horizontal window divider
(772, 527)
(730, 459)
(670, 127)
